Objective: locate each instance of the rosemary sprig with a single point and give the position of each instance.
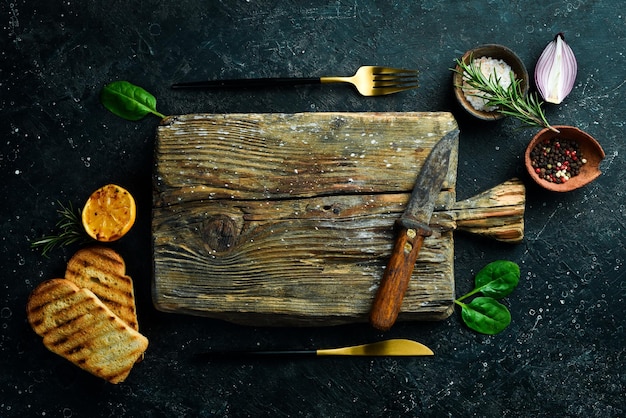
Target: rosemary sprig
(509, 101)
(70, 230)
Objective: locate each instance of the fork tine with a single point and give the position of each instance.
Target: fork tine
(392, 80)
(398, 84)
(395, 80)
(394, 73)
(389, 70)
(394, 76)
(381, 91)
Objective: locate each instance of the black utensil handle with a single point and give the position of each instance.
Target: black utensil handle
(246, 83)
(233, 355)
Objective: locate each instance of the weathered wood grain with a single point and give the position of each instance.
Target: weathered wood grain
(496, 213)
(273, 219)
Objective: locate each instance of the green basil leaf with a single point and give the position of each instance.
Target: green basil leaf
(486, 315)
(498, 279)
(128, 101)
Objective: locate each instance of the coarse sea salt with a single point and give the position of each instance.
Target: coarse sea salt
(488, 67)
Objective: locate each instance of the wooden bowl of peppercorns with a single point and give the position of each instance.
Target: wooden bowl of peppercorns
(565, 160)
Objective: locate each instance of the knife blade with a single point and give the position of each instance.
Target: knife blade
(393, 347)
(412, 229)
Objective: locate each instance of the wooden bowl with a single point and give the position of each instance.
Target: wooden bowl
(493, 51)
(588, 147)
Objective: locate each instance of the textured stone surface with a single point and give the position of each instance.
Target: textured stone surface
(564, 351)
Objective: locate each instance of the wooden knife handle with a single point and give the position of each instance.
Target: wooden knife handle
(388, 300)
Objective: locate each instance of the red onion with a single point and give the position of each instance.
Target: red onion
(556, 70)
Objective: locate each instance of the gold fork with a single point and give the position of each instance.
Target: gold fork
(369, 81)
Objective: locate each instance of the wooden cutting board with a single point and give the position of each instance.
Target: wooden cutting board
(288, 219)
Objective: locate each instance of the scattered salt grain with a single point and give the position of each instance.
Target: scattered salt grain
(487, 67)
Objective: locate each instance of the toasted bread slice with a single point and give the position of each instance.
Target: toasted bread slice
(103, 271)
(76, 325)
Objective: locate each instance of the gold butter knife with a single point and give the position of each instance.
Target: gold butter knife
(393, 347)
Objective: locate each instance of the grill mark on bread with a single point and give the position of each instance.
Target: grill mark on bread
(38, 301)
(103, 271)
(103, 285)
(77, 325)
(67, 316)
(117, 306)
(75, 328)
(51, 297)
(82, 341)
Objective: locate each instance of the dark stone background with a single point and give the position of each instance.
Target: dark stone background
(563, 354)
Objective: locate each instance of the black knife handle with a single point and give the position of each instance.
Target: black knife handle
(246, 83)
(240, 355)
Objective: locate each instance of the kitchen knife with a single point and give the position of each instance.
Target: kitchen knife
(395, 347)
(412, 229)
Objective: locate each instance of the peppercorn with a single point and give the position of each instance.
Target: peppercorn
(557, 160)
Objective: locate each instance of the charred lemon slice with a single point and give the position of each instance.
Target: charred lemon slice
(109, 213)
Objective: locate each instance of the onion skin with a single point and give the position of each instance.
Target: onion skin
(556, 69)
